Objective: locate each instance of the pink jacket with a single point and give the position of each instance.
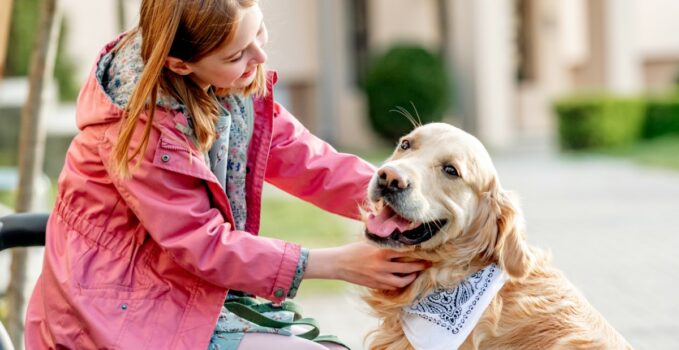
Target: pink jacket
(145, 263)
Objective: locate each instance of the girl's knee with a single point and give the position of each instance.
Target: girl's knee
(332, 346)
(258, 341)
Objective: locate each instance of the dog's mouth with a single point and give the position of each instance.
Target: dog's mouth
(389, 226)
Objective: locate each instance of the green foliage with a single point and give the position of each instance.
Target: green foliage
(10, 118)
(293, 220)
(599, 121)
(296, 221)
(405, 76)
(658, 152)
(64, 68)
(3, 309)
(21, 36)
(7, 198)
(662, 117)
(55, 145)
(21, 32)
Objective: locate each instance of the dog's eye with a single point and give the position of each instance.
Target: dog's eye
(405, 144)
(450, 170)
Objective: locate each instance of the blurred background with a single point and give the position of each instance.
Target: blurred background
(577, 101)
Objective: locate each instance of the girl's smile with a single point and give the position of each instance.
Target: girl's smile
(233, 65)
(248, 73)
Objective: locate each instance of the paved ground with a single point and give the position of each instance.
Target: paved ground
(612, 226)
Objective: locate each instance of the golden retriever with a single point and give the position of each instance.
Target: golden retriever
(440, 187)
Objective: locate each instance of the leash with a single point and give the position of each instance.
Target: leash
(253, 311)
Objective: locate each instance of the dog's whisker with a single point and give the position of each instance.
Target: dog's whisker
(449, 205)
(432, 220)
(416, 114)
(420, 214)
(426, 217)
(404, 112)
(438, 224)
(428, 225)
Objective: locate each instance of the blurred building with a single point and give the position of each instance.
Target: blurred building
(509, 58)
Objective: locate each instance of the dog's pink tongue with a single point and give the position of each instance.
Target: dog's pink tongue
(386, 222)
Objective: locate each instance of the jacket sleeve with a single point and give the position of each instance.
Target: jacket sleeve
(309, 168)
(169, 194)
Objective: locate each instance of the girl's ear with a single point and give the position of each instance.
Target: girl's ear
(503, 230)
(178, 66)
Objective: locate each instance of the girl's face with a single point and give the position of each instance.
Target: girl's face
(233, 66)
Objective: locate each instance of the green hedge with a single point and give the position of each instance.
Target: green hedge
(662, 117)
(55, 145)
(403, 77)
(23, 28)
(599, 121)
(24, 22)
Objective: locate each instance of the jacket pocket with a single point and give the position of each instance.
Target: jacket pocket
(100, 272)
(178, 157)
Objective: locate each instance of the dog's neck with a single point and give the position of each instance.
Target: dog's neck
(452, 262)
(450, 266)
(441, 275)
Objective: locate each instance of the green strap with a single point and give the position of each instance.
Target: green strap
(248, 313)
(252, 310)
(269, 307)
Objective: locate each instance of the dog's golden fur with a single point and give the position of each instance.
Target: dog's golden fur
(537, 308)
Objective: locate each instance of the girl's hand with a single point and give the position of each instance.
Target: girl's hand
(364, 264)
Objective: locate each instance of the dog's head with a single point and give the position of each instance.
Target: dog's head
(439, 193)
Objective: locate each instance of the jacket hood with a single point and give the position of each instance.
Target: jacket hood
(111, 83)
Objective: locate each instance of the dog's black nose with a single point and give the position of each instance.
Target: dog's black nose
(389, 180)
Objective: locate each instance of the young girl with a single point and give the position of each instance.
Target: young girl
(159, 200)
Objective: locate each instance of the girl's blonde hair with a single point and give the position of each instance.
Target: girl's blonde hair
(188, 30)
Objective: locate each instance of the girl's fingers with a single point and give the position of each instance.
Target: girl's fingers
(389, 281)
(378, 268)
(410, 267)
(400, 281)
(392, 254)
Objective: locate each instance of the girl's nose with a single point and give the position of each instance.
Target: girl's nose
(259, 55)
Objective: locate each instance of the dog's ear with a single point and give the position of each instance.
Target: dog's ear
(504, 233)
(511, 248)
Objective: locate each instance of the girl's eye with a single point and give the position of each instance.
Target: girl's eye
(405, 144)
(237, 58)
(450, 171)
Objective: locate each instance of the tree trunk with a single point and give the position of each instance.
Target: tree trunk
(31, 154)
(5, 21)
